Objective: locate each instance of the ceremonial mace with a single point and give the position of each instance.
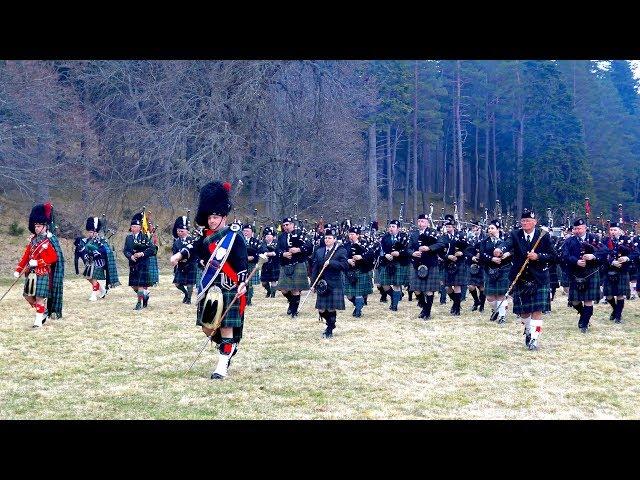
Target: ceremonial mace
(261, 260)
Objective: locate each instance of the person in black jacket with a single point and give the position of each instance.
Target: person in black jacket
(582, 254)
(455, 267)
(293, 250)
(138, 248)
(496, 271)
(270, 271)
(424, 246)
(531, 292)
(621, 253)
(393, 262)
(329, 288)
(358, 282)
(184, 273)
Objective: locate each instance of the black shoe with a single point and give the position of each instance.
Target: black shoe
(268, 294)
(353, 314)
(216, 376)
(481, 308)
(422, 314)
(289, 310)
(138, 305)
(327, 334)
(475, 307)
(145, 301)
(617, 320)
(501, 320)
(494, 316)
(527, 338)
(410, 297)
(273, 294)
(612, 317)
(583, 329)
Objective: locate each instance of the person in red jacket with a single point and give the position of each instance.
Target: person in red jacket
(36, 262)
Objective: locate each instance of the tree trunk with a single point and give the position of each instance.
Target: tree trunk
(519, 147)
(373, 174)
(407, 176)
(415, 140)
(394, 154)
(459, 141)
(495, 169)
(485, 186)
(477, 169)
(389, 175)
(444, 173)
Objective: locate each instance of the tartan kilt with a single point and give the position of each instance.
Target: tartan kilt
(298, 281)
(198, 275)
(499, 286)
(429, 284)
(42, 286)
(565, 281)
(459, 277)
(185, 276)
(617, 288)
(255, 280)
(99, 274)
(476, 279)
(233, 317)
(334, 300)
(553, 276)
(536, 300)
(139, 275)
(154, 277)
(362, 287)
(270, 272)
(590, 293)
(400, 277)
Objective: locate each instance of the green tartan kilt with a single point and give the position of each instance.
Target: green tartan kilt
(186, 275)
(459, 277)
(565, 281)
(42, 286)
(362, 287)
(334, 300)
(198, 275)
(617, 287)
(590, 293)
(429, 284)
(255, 280)
(233, 317)
(154, 274)
(499, 286)
(401, 276)
(528, 301)
(553, 276)
(298, 281)
(476, 279)
(99, 274)
(139, 274)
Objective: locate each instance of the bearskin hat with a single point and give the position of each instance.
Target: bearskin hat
(94, 224)
(214, 200)
(181, 222)
(40, 213)
(137, 219)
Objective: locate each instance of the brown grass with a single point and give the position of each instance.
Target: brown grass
(103, 361)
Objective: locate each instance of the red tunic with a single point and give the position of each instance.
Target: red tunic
(43, 252)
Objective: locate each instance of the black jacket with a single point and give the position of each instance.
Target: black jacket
(387, 246)
(572, 251)
(143, 244)
(333, 273)
(430, 258)
(287, 241)
(537, 270)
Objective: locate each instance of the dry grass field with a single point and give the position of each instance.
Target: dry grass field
(104, 360)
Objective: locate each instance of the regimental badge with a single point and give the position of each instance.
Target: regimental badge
(234, 227)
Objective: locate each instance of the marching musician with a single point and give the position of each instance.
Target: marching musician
(531, 291)
(42, 266)
(358, 282)
(620, 254)
(496, 271)
(476, 274)
(581, 254)
(393, 261)
(185, 271)
(253, 248)
(225, 276)
(455, 268)
(270, 270)
(424, 246)
(330, 292)
(138, 248)
(293, 250)
(98, 259)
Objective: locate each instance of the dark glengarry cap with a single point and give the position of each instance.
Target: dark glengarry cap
(450, 222)
(355, 229)
(287, 220)
(137, 219)
(247, 225)
(496, 223)
(181, 222)
(423, 216)
(330, 230)
(578, 222)
(526, 213)
(268, 231)
(615, 224)
(394, 222)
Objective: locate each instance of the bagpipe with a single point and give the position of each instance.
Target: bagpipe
(91, 251)
(253, 247)
(623, 247)
(460, 244)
